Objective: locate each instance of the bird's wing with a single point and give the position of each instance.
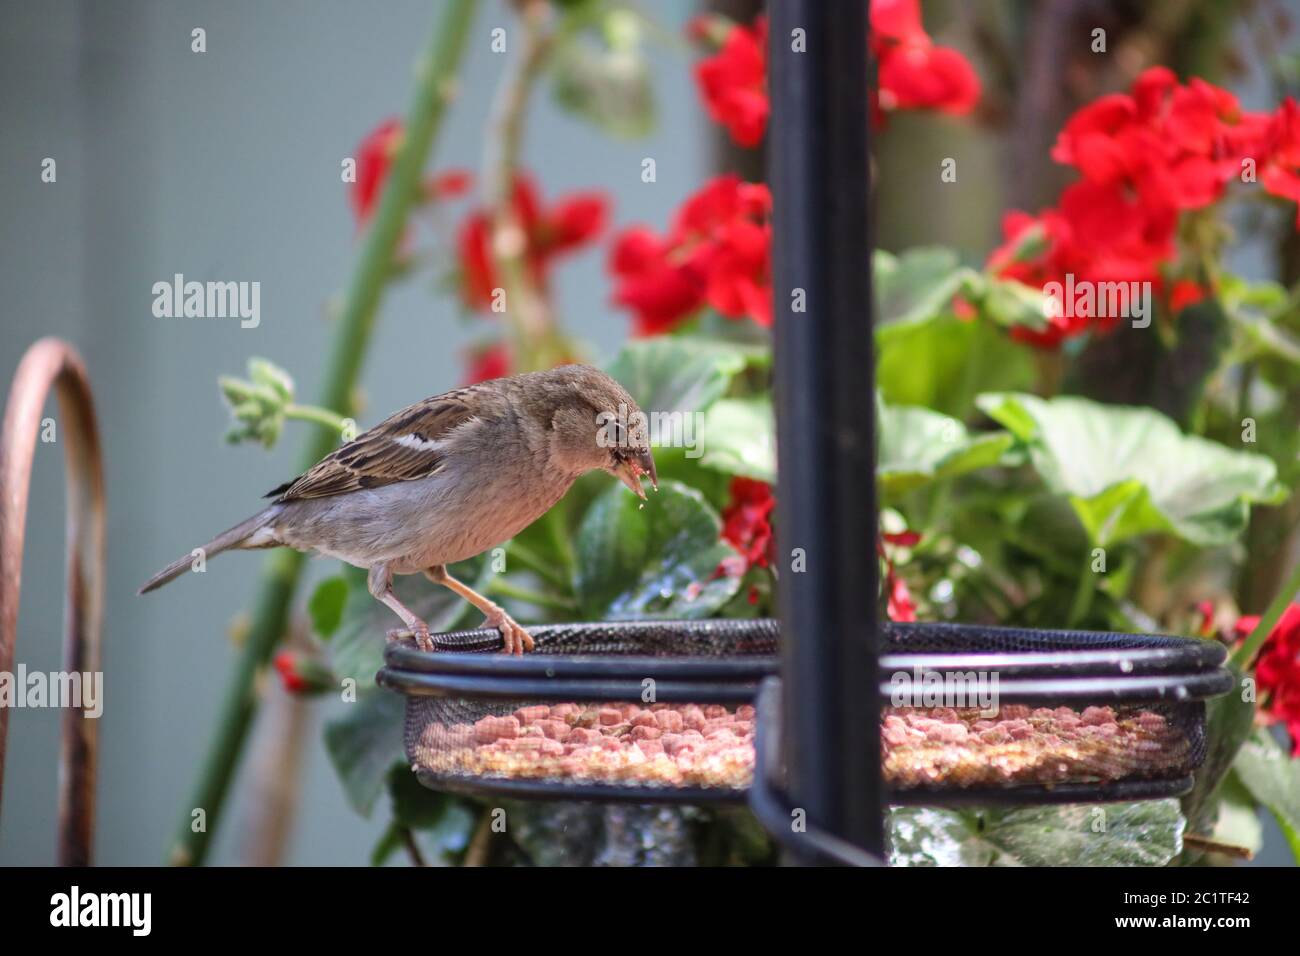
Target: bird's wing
(408, 445)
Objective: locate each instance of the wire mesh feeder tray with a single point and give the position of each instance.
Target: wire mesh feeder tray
(664, 711)
(597, 711)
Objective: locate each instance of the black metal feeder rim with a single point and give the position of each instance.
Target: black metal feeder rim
(1082, 663)
(1152, 689)
(1118, 791)
(563, 690)
(460, 652)
(1185, 659)
(755, 667)
(489, 786)
(1140, 689)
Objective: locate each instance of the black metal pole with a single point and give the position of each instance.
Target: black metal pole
(817, 144)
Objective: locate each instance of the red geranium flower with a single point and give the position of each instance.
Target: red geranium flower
(1184, 294)
(1144, 157)
(302, 673)
(659, 292)
(718, 253)
(1278, 674)
(733, 83)
(747, 523)
(927, 77)
(548, 233)
(448, 184)
(899, 605)
(1281, 174)
(487, 362)
(374, 159)
(913, 72)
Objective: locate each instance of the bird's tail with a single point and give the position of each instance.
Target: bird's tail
(241, 535)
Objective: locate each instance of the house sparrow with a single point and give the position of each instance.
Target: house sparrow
(449, 478)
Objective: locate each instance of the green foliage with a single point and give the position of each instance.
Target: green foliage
(363, 742)
(258, 403)
(1270, 775)
(655, 561)
(926, 355)
(599, 70)
(670, 374)
(1130, 472)
(439, 823)
(326, 605)
(740, 438)
(917, 285)
(1120, 834)
(917, 446)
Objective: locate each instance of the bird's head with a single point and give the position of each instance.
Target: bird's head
(597, 424)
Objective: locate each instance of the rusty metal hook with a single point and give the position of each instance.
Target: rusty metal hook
(54, 363)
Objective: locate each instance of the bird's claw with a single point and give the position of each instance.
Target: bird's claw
(514, 637)
(419, 634)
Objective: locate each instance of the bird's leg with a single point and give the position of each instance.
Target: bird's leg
(517, 640)
(380, 584)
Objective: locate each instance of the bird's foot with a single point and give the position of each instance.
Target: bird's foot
(420, 634)
(516, 639)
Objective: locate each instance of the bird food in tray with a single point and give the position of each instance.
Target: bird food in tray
(660, 745)
(664, 710)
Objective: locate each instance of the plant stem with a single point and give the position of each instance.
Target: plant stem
(412, 848)
(536, 341)
(509, 589)
(313, 413)
(435, 87)
(1208, 845)
(1083, 592)
(537, 564)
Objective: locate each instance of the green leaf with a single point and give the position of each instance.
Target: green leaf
(1273, 778)
(326, 605)
(1009, 303)
(925, 836)
(1130, 472)
(656, 561)
(941, 362)
(1149, 833)
(441, 822)
(364, 742)
(1238, 817)
(666, 374)
(739, 437)
(389, 842)
(917, 284)
(1120, 834)
(917, 446)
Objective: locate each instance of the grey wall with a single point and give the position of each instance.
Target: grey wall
(225, 165)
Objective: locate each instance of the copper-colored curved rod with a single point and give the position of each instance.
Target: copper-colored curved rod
(54, 363)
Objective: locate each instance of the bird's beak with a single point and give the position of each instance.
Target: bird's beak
(631, 470)
(647, 463)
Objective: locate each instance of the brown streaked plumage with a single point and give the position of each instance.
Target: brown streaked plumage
(446, 479)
